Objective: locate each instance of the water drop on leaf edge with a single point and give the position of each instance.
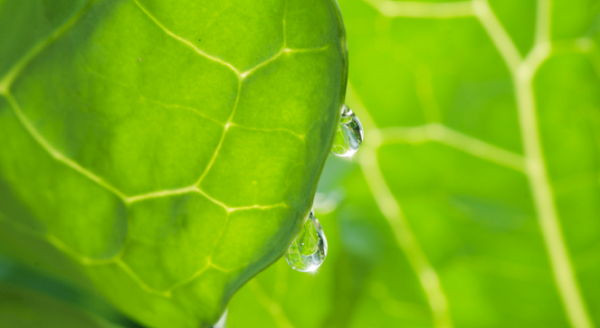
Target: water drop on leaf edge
(309, 249)
(349, 135)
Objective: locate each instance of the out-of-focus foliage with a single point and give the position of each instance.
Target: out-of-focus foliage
(475, 201)
(20, 278)
(163, 152)
(26, 309)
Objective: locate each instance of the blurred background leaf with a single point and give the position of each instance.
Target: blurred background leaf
(475, 201)
(26, 309)
(51, 300)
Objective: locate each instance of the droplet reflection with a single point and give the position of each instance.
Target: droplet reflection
(308, 251)
(349, 135)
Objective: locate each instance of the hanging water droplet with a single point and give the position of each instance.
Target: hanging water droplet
(222, 320)
(308, 251)
(349, 135)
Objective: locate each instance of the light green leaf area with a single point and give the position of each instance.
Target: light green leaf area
(26, 309)
(474, 201)
(163, 152)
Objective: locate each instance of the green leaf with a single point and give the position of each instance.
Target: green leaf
(20, 308)
(474, 201)
(160, 152)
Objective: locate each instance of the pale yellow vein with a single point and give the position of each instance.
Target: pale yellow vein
(284, 50)
(460, 141)
(499, 36)
(13, 73)
(140, 281)
(58, 156)
(523, 73)
(422, 9)
(301, 137)
(390, 208)
(222, 140)
(184, 41)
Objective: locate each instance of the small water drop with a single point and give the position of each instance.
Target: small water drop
(308, 251)
(349, 135)
(222, 320)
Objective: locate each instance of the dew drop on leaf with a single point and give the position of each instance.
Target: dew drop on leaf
(349, 135)
(308, 251)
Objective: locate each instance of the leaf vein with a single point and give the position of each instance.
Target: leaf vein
(56, 154)
(13, 73)
(442, 134)
(184, 41)
(523, 73)
(391, 210)
(421, 9)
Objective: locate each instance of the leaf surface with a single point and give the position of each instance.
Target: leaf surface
(163, 152)
(474, 201)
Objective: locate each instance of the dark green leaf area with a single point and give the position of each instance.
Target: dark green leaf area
(25, 309)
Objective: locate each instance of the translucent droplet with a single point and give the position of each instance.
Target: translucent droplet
(222, 320)
(349, 135)
(308, 251)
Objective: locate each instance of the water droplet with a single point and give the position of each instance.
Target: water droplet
(222, 320)
(349, 135)
(308, 251)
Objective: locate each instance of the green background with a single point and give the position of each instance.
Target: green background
(475, 200)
